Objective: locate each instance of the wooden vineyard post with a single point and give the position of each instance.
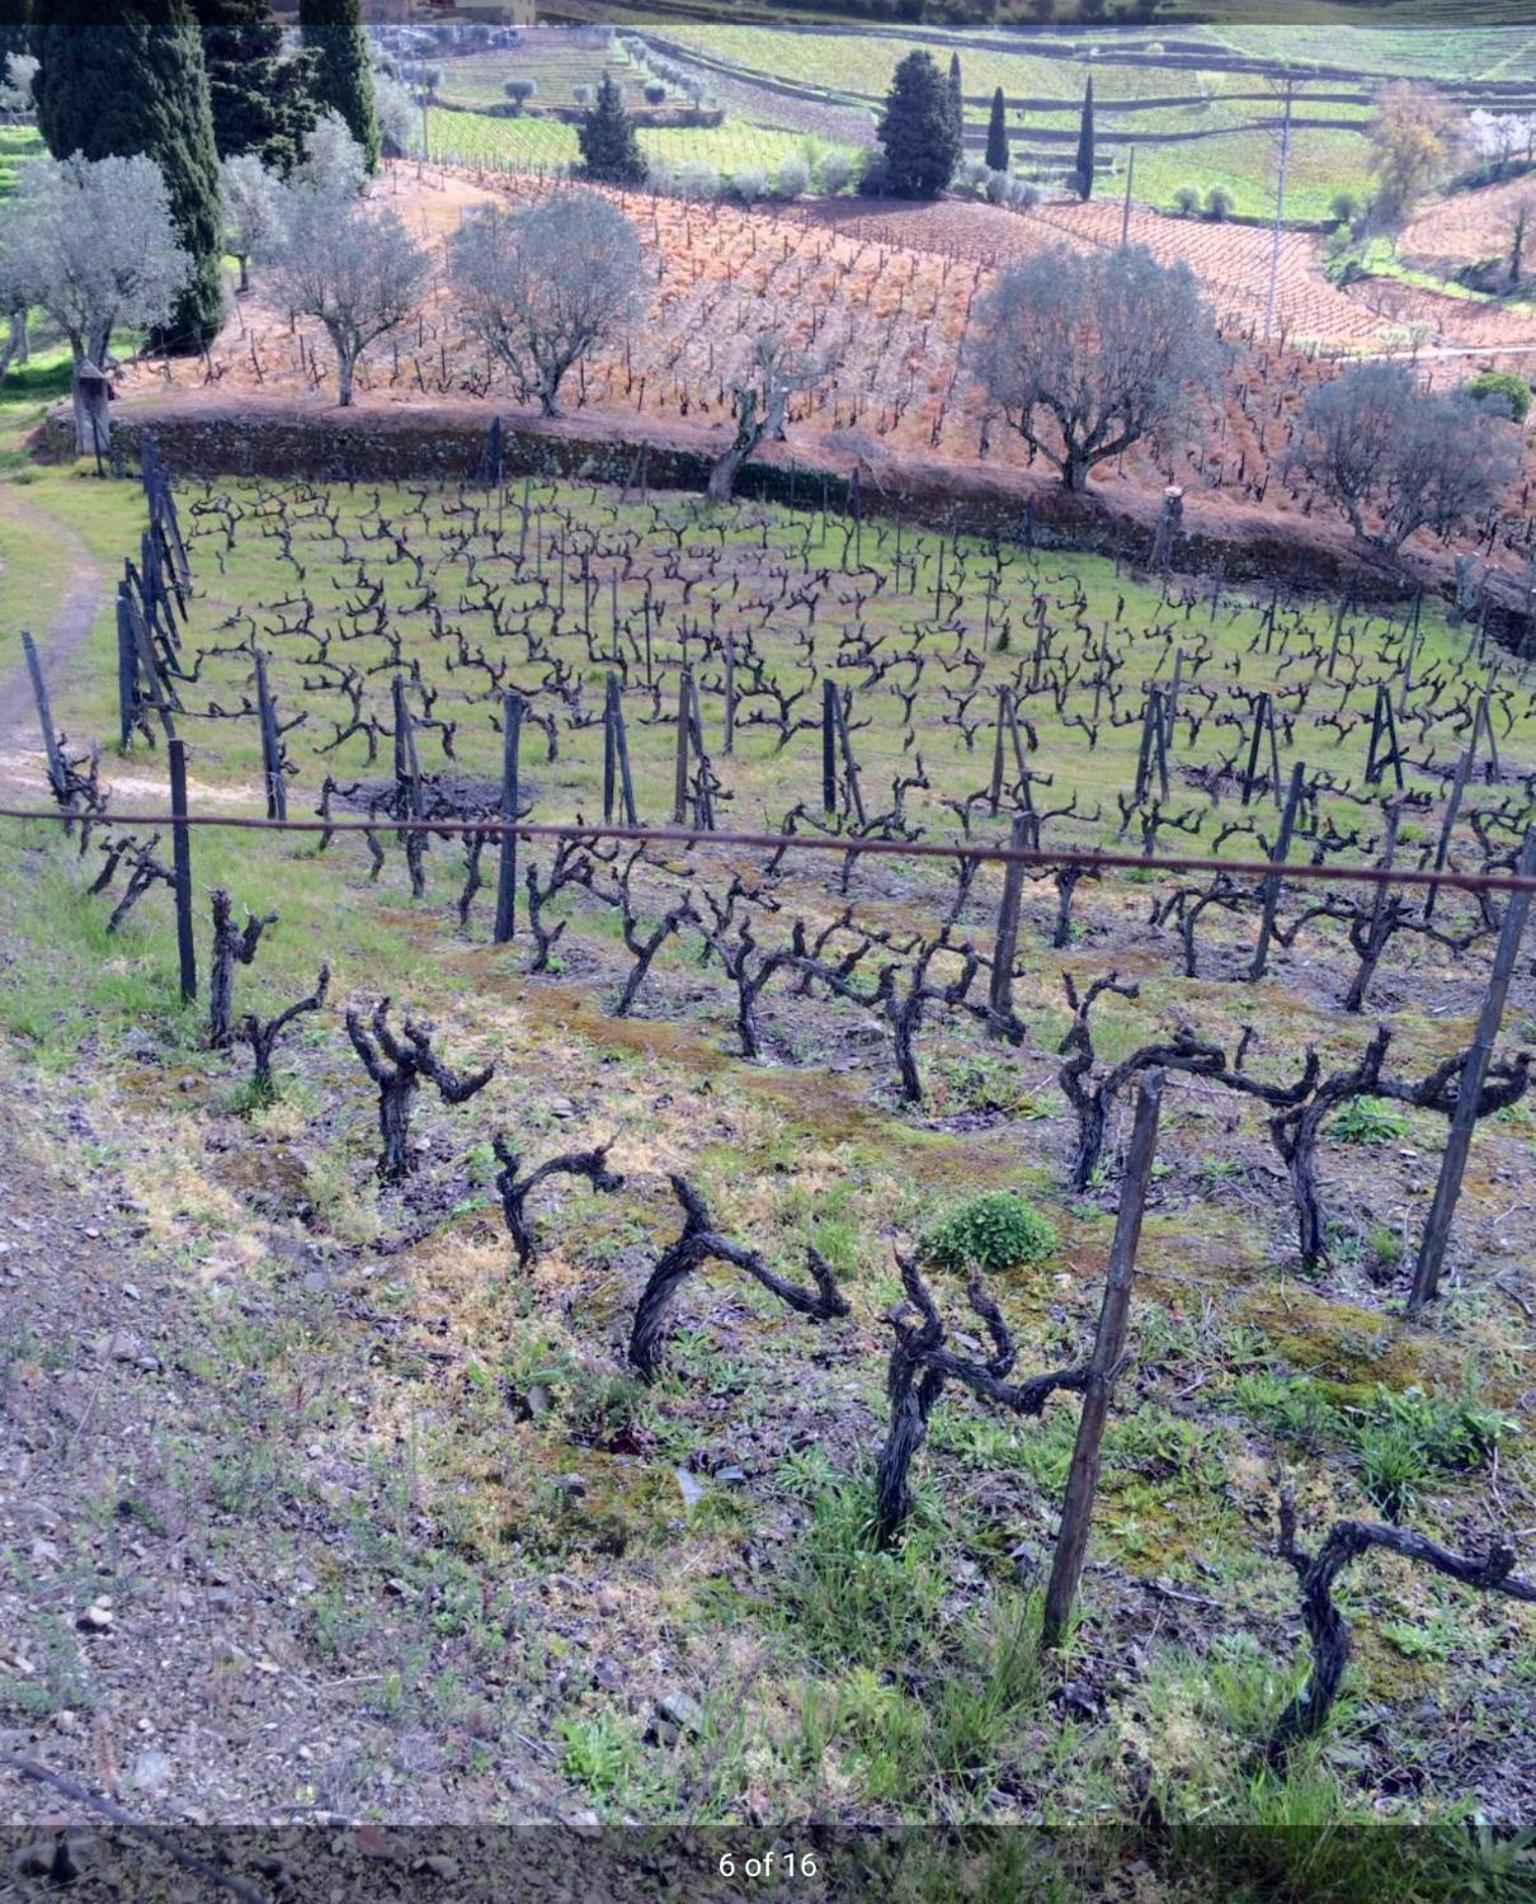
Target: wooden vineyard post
(1452, 809)
(620, 733)
(680, 769)
(506, 870)
(610, 752)
(1103, 1369)
(1384, 751)
(850, 765)
(1437, 1230)
(408, 785)
(57, 779)
(181, 842)
(1263, 721)
(1293, 799)
(1004, 709)
(704, 804)
(828, 746)
(271, 745)
(127, 668)
(729, 746)
(1006, 944)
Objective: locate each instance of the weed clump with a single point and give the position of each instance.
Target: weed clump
(1000, 1230)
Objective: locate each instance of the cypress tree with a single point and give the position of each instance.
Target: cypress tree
(333, 32)
(609, 148)
(1085, 147)
(957, 96)
(997, 134)
(118, 79)
(918, 130)
(262, 103)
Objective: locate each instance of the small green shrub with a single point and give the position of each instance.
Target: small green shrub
(1502, 386)
(1219, 204)
(1186, 201)
(997, 1231)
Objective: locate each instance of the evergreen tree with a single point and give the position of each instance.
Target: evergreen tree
(957, 96)
(997, 134)
(262, 102)
(918, 130)
(609, 149)
(333, 32)
(1085, 147)
(118, 79)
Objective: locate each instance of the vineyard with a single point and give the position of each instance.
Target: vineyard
(801, 1062)
(732, 1123)
(529, 144)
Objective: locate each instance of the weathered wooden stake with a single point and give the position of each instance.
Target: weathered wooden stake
(506, 871)
(1006, 944)
(1293, 799)
(127, 669)
(1452, 809)
(684, 728)
(271, 744)
(181, 840)
(828, 746)
(57, 778)
(1104, 1369)
(1437, 1230)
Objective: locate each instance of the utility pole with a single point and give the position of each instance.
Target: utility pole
(1125, 215)
(1274, 256)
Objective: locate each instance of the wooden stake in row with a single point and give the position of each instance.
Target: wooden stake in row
(1384, 751)
(271, 743)
(690, 751)
(1263, 726)
(835, 743)
(1437, 1228)
(616, 774)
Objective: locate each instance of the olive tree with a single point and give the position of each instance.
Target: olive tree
(351, 264)
(333, 161)
(91, 242)
(776, 370)
(1088, 355)
(542, 287)
(1394, 458)
(251, 198)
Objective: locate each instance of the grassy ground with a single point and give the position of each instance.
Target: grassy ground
(516, 1551)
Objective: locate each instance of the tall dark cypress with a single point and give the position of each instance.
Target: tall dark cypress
(118, 79)
(333, 31)
(1085, 147)
(957, 96)
(262, 102)
(997, 134)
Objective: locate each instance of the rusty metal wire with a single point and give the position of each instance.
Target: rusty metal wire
(1042, 857)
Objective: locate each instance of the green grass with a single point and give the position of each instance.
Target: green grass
(530, 144)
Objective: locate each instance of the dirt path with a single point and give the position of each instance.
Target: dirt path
(158, 1635)
(85, 585)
